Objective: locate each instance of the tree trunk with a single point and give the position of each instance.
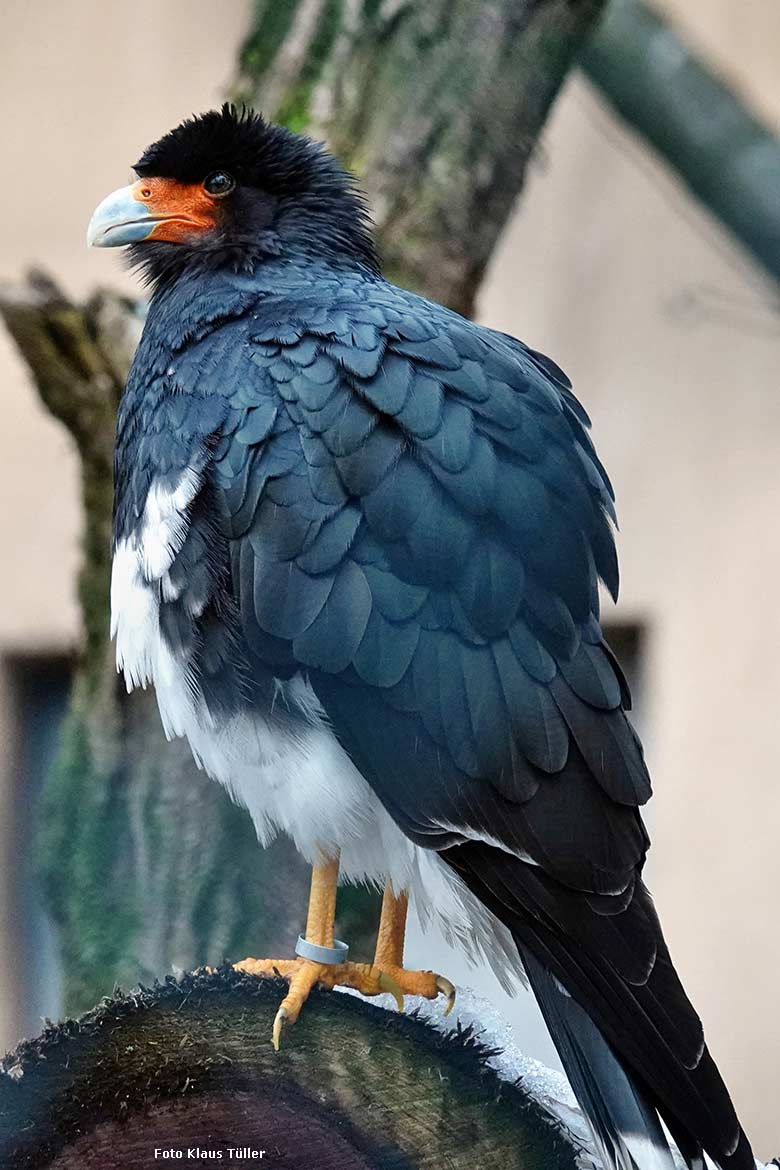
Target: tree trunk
(437, 106)
(186, 1073)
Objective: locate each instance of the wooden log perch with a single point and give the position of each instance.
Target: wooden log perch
(187, 1068)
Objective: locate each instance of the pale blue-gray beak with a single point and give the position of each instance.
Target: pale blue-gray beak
(120, 219)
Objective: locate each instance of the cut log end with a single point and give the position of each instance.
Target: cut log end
(185, 1073)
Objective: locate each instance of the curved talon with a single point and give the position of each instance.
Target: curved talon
(280, 1020)
(447, 989)
(387, 983)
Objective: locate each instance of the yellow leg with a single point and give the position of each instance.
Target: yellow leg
(392, 929)
(389, 955)
(302, 973)
(322, 903)
(385, 974)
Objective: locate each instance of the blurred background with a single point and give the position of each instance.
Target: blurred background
(642, 254)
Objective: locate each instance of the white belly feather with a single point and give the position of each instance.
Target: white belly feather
(304, 785)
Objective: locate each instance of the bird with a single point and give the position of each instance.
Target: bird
(358, 542)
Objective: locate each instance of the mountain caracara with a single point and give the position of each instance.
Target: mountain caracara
(357, 548)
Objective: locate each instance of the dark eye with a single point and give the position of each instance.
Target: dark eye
(220, 183)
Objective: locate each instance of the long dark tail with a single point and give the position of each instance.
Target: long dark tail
(625, 1126)
(628, 1036)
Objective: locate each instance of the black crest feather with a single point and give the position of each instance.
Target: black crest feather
(314, 204)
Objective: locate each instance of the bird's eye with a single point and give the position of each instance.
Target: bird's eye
(220, 183)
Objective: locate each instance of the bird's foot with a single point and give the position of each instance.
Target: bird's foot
(302, 974)
(425, 983)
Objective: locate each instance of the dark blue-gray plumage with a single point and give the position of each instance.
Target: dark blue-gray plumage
(322, 477)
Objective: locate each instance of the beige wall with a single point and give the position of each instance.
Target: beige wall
(672, 342)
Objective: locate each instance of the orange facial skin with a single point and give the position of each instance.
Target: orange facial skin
(184, 209)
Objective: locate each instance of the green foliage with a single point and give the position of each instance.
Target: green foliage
(358, 919)
(236, 871)
(83, 865)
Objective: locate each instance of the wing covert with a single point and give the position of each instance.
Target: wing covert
(418, 520)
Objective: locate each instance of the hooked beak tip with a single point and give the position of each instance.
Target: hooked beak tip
(120, 219)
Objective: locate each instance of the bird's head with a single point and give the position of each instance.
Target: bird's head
(229, 190)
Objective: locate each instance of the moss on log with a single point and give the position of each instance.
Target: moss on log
(189, 1066)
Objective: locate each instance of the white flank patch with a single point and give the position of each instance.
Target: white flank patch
(164, 525)
(134, 617)
(143, 558)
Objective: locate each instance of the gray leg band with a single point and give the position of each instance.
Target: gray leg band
(334, 955)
